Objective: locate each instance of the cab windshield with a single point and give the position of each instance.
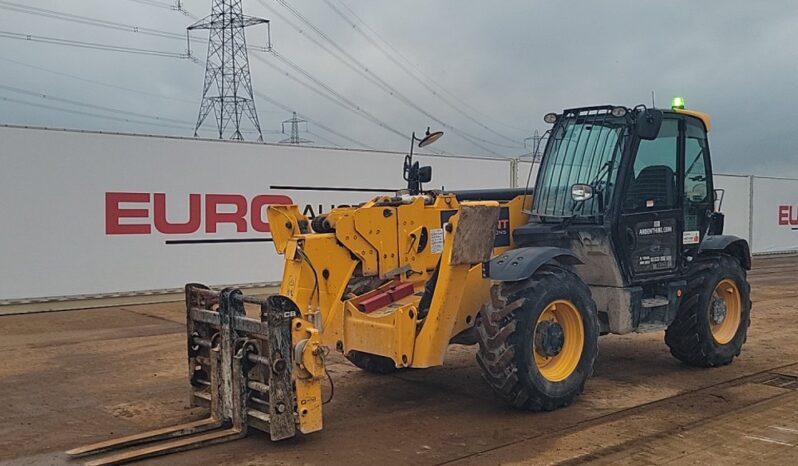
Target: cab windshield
(582, 149)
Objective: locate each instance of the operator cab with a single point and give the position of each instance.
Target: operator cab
(629, 192)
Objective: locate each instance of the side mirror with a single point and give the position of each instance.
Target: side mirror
(581, 192)
(425, 174)
(716, 221)
(648, 123)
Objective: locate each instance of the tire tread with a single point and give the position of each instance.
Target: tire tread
(684, 335)
(499, 338)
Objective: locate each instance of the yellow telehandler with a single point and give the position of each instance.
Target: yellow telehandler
(619, 234)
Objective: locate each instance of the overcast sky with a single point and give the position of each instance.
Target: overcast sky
(506, 63)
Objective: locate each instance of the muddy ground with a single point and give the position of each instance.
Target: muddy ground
(75, 377)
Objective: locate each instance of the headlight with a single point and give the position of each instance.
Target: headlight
(619, 112)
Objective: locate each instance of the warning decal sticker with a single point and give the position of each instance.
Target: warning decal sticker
(436, 240)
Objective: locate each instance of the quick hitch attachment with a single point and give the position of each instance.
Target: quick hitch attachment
(240, 368)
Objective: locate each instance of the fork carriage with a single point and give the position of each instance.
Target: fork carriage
(240, 368)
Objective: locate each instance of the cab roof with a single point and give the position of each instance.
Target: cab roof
(695, 113)
(703, 117)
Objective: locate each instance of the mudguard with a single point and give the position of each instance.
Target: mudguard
(733, 245)
(521, 263)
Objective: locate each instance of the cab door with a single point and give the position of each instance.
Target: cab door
(698, 187)
(650, 227)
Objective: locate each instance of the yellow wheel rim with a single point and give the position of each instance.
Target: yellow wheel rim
(725, 310)
(557, 367)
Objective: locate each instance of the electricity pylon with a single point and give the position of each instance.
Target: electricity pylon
(294, 135)
(227, 91)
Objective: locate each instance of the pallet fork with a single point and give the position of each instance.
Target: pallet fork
(239, 367)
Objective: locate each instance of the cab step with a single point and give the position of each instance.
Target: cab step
(656, 301)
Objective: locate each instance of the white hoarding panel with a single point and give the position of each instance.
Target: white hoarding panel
(89, 213)
(735, 204)
(775, 215)
(526, 174)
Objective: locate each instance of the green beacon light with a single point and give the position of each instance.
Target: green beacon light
(678, 102)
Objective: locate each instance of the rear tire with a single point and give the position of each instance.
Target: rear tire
(516, 331)
(706, 332)
(372, 363)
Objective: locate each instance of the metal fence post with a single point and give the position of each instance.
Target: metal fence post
(514, 173)
(751, 213)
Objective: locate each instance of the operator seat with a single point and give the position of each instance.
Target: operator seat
(655, 183)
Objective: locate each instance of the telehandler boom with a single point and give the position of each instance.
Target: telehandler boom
(620, 234)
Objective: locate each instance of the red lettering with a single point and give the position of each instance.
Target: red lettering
(219, 209)
(163, 225)
(213, 217)
(788, 215)
(114, 213)
(784, 215)
(256, 210)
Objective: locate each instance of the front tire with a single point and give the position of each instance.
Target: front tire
(712, 323)
(538, 339)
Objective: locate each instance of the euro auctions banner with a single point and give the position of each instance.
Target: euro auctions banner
(93, 213)
(775, 215)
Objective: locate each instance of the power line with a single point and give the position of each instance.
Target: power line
(161, 121)
(375, 79)
(131, 28)
(322, 46)
(260, 95)
(89, 45)
(322, 138)
(315, 122)
(80, 19)
(410, 72)
(385, 85)
(94, 115)
(154, 3)
(99, 83)
(106, 47)
(287, 108)
(178, 6)
(418, 69)
(92, 106)
(108, 85)
(332, 95)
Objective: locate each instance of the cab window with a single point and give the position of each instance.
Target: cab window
(653, 184)
(697, 185)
